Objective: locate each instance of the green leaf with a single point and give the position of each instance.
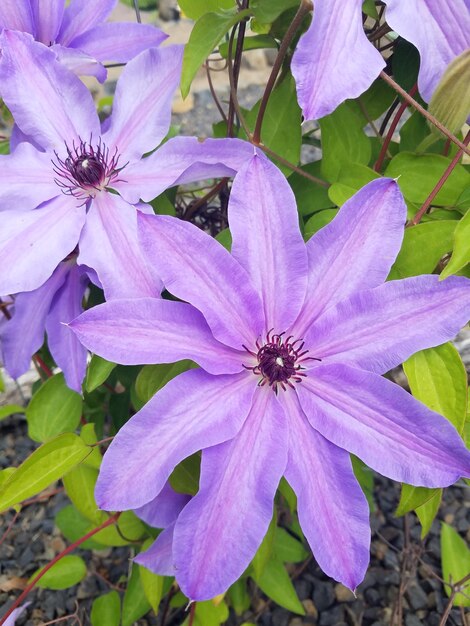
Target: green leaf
(276, 584)
(412, 498)
(44, 466)
(80, 484)
(89, 437)
(418, 174)
(310, 196)
(317, 221)
(266, 11)
(152, 378)
(185, 476)
(67, 572)
(239, 596)
(288, 494)
(423, 247)
(250, 43)
(194, 9)
(287, 548)
(265, 551)
(151, 583)
(73, 526)
(54, 409)
(455, 557)
(343, 141)
(130, 529)
(461, 254)
(350, 180)
(135, 605)
(225, 238)
(97, 372)
(106, 610)
(10, 409)
(427, 512)
(205, 36)
(369, 8)
(376, 100)
(210, 614)
(365, 477)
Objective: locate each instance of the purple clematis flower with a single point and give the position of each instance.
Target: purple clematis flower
(78, 33)
(334, 59)
(58, 187)
(291, 339)
(46, 309)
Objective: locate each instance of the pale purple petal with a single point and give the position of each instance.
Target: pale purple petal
(118, 41)
(48, 19)
(356, 250)
(81, 15)
(384, 426)
(17, 136)
(62, 108)
(333, 511)
(440, 29)
(151, 330)
(16, 15)
(23, 335)
(378, 329)
(334, 60)
(109, 245)
(218, 532)
(11, 620)
(196, 268)
(182, 160)
(33, 243)
(159, 557)
(163, 510)
(69, 354)
(142, 105)
(266, 239)
(26, 179)
(80, 63)
(193, 411)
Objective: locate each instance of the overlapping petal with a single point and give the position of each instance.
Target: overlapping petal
(377, 329)
(79, 62)
(81, 15)
(151, 330)
(383, 425)
(356, 250)
(266, 239)
(159, 557)
(47, 16)
(16, 15)
(193, 411)
(163, 510)
(233, 508)
(196, 268)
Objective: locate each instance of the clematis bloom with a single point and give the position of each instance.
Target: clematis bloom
(334, 60)
(291, 339)
(78, 33)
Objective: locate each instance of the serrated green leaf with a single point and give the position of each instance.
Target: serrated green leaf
(10, 409)
(461, 254)
(276, 584)
(194, 9)
(135, 605)
(67, 572)
(98, 371)
(106, 610)
(455, 558)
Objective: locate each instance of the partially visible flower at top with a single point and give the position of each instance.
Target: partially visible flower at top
(78, 33)
(334, 59)
(292, 339)
(58, 186)
(46, 309)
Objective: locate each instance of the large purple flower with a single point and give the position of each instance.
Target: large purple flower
(58, 187)
(77, 33)
(292, 339)
(334, 60)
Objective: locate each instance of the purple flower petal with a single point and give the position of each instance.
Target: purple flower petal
(79, 62)
(440, 29)
(182, 160)
(163, 510)
(333, 511)
(33, 243)
(383, 425)
(218, 532)
(159, 557)
(196, 268)
(267, 240)
(356, 250)
(142, 105)
(109, 245)
(192, 411)
(11, 620)
(16, 15)
(48, 19)
(118, 41)
(150, 330)
(62, 108)
(67, 351)
(82, 15)
(23, 335)
(379, 328)
(334, 60)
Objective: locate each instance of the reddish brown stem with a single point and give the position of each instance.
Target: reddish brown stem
(57, 558)
(42, 366)
(9, 527)
(192, 613)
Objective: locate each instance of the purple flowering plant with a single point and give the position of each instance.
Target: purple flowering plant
(270, 311)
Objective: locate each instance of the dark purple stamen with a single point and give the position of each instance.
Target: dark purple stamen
(279, 361)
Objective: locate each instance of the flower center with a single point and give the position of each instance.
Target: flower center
(86, 170)
(279, 361)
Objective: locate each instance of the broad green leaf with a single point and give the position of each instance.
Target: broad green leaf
(276, 584)
(205, 36)
(288, 494)
(310, 196)
(343, 141)
(225, 238)
(80, 484)
(250, 43)
(405, 64)
(365, 477)
(89, 437)
(130, 529)
(428, 511)
(266, 11)
(418, 174)
(44, 466)
(375, 101)
(151, 583)
(265, 551)
(106, 610)
(135, 605)
(67, 572)
(369, 8)
(239, 596)
(412, 498)
(185, 476)
(455, 557)
(73, 525)
(152, 378)
(209, 614)
(162, 205)
(54, 409)
(10, 409)
(317, 221)
(423, 247)
(461, 254)
(98, 371)
(350, 180)
(287, 548)
(194, 9)
(5, 474)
